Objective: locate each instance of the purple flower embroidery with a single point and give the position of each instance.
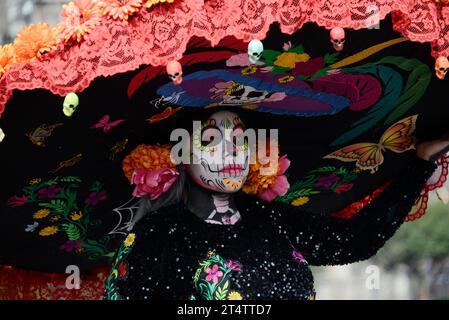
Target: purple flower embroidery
(95, 197)
(71, 245)
(50, 192)
(327, 181)
(213, 274)
(298, 256)
(233, 265)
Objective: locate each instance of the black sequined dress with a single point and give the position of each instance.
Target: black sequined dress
(172, 254)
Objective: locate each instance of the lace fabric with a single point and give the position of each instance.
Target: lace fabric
(157, 36)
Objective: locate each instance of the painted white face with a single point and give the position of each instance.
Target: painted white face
(220, 159)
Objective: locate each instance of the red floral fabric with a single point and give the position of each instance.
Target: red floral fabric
(20, 284)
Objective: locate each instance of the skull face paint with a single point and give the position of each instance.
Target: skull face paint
(219, 157)
(441, 67)
(338, 38)
(174, 71)
(70, 104)
(255, 50)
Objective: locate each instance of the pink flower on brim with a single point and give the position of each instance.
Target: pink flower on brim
(153, 182)
(281, 186)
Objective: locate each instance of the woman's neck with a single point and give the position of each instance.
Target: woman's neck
(210, 206)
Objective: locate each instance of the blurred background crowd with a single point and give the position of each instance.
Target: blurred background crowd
(413, 265)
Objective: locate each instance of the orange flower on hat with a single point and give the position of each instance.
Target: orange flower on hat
(7, 58)
(151, 3)
(34, 41)
(120, 9)
(147, 157)
(80, 17)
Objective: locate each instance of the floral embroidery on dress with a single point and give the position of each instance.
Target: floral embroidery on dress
(213, 279)
(119, 270)
(330, 178)
(63, 211)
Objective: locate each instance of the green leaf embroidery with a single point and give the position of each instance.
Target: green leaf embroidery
(73, 232)
(70, 179)
(58, 206)
(222, 292)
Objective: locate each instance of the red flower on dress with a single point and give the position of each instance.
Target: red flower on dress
(343, 187)
(80, 17)
(122, 270)
(17, 201)
(119, 9)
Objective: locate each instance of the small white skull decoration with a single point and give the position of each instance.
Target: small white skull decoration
(338, 38)
(441, 67)
(174, 71)
(70, 104)
(255, 50)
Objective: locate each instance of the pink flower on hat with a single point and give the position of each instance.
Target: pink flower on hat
(281, 185)
(153, 182)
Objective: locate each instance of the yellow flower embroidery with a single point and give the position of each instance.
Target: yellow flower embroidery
(129, 241)
(286, 79)
(211, 253)
(35, 181)
(300, 201)
(234, 86)
(234, 295)
(76, 215)
(290, 59)
(249, 70)
(48, 231)
(356, 170)
(41, 214)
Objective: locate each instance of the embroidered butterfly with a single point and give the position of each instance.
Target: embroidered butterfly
(106, 125)
(368, 156)
(41, 133)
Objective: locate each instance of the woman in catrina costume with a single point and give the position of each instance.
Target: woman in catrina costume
(197, 236)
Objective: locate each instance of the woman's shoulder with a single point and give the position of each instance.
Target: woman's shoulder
(157, 221)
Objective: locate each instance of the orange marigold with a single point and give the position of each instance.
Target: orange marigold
(79, 18)
(34, 41)
(257, 182)
(148, 157)
(7, 58)
(119, 9)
